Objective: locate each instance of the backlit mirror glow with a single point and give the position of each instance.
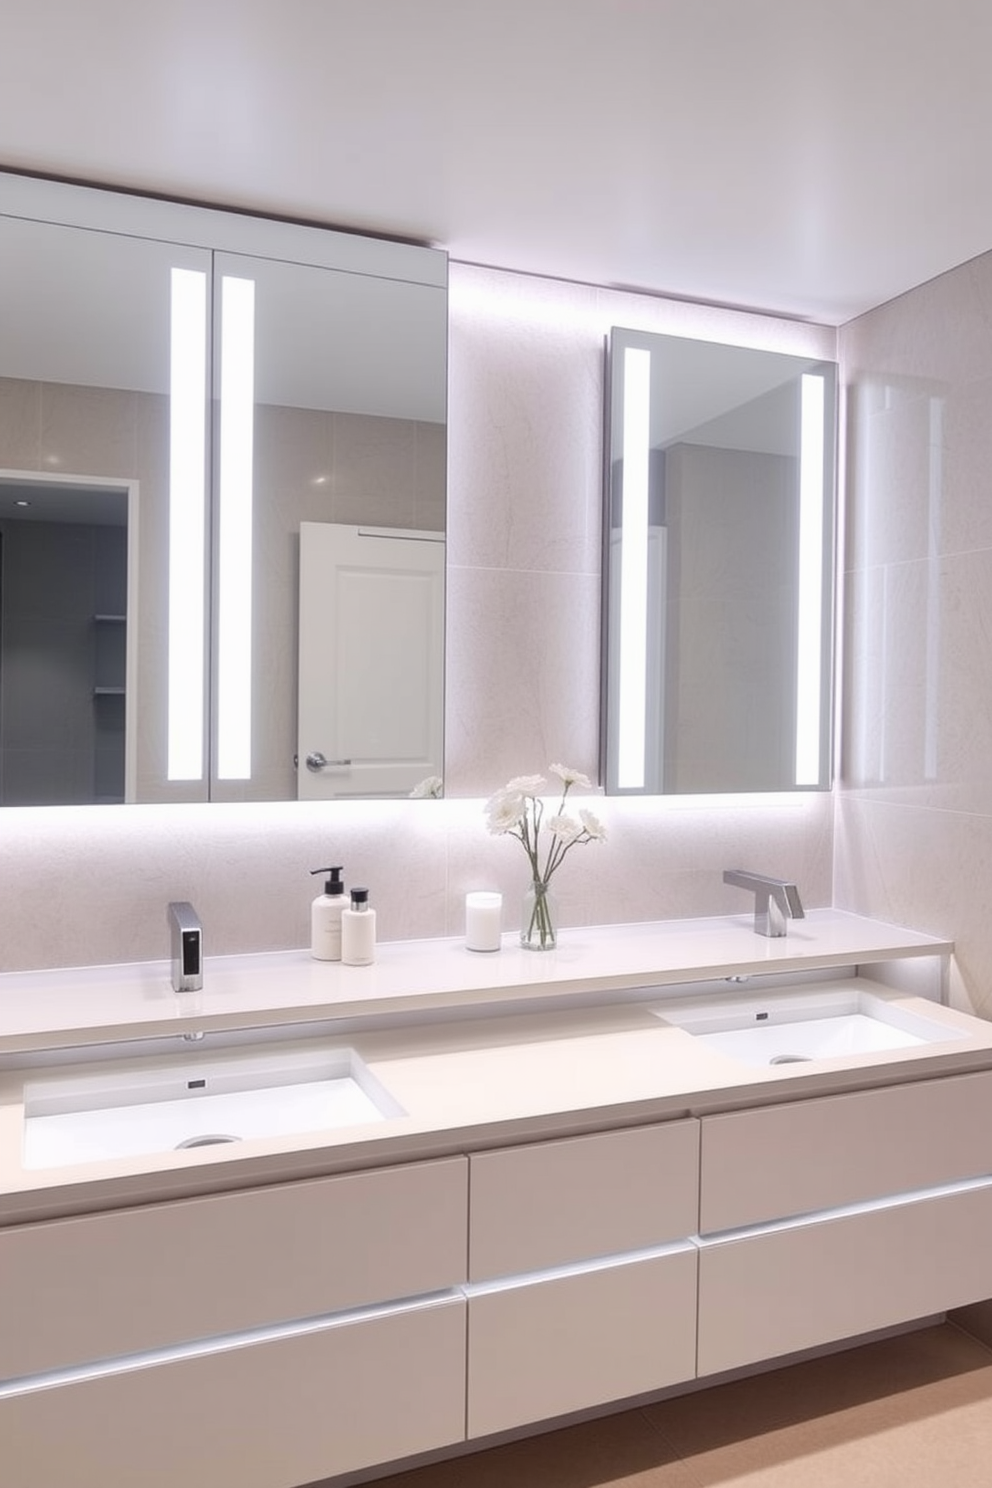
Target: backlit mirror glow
(187, 517)
(634, 566)
(234, 566)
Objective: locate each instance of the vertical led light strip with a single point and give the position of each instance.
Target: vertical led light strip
(187, 499)
(237, 412)
(809, 649)
(631, 700)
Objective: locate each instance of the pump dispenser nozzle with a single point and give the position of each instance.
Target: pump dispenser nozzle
(333, 885)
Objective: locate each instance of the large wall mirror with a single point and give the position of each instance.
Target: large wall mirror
(222, 504)
(718, 568)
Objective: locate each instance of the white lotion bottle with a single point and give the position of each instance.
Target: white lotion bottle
(325, 917)
(358, 931)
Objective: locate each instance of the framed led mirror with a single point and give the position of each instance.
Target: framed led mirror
(718, 568)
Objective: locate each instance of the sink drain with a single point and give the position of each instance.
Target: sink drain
(790, 1059)
(208, 1140)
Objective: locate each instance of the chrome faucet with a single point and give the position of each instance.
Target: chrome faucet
(187, 947)
(776, 900)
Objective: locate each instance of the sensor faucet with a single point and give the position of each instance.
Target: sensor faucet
(776, 900)
(187, 947)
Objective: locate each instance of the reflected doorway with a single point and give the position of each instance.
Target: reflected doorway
(64, 651)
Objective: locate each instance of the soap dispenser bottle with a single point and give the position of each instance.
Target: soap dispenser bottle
(358, 931)
(325, 917)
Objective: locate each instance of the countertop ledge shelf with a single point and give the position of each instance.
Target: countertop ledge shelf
(78, 1006)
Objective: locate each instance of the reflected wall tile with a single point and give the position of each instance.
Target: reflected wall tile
(293, 454)
(88, 430)
(522, 676)
(152, 431)
(375, 462)
(20, 424)
(431, 477)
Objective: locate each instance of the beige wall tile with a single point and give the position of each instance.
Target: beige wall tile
(914, 814)
(20, 424)
(88, 431)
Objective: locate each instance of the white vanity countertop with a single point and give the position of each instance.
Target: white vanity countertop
(494, 1074)
(69, 1008)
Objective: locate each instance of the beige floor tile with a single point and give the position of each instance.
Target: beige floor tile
(907, 1412)
(623, 1451)
(914, 1412)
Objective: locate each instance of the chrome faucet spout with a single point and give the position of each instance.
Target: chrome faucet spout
(776, 900)
(187, 947)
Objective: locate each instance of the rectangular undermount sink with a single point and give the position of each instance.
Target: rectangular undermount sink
(803, 1025)
(196, 1101)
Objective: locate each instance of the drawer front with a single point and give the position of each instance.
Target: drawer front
(103, 1285)
(268, 1415)
(785, 1289)
(553, 1203)
(547, 1347)
(796, 1158)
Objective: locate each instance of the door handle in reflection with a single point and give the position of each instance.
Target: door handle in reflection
(316, 762)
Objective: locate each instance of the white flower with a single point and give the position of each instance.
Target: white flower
(428, 789)
(571, 777)
(527, 785)
(565, 828)
(517, 810)
(504, 810)
(593, 826)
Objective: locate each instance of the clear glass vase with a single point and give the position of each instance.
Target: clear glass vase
(539, 925)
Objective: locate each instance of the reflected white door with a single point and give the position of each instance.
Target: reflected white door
(371, 660)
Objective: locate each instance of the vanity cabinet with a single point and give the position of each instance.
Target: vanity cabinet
(269, 1336)
(828, 1218)
(673, 1218)
(798, 1157)
(330, 1396)
(104, 1285)
(798, 1285)
(582, 1275)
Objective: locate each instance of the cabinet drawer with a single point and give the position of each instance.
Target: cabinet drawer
(102, 1285)
(553, 1203)
(272, 1414)
(797, 1285)
(545, 1347)
(802, 1156)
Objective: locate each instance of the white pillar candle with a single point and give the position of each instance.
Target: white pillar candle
(483, 920)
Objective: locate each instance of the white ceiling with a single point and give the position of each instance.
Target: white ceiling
(808, 157)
